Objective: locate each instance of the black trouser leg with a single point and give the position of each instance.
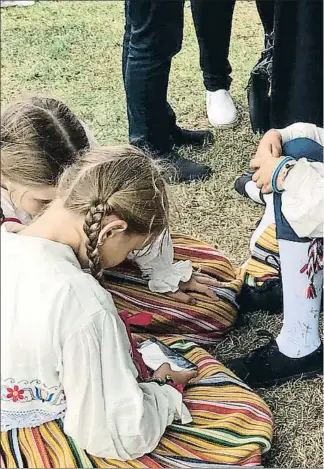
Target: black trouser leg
(297, 71)
(153, 35)
(266, 12)
(213, 23)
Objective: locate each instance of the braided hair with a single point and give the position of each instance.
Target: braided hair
(92, 226)
(120, 181)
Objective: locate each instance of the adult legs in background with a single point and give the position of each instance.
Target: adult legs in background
(297, 70)
(153, 35)
(213, 24)
(266, 13)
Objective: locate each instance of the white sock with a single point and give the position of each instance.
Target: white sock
(267, 219)
(299, 335)
(253, 192)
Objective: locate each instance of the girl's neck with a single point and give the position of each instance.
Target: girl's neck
(59, 225)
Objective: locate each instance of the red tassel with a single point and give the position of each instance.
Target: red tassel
(303, 269)
(311, 292)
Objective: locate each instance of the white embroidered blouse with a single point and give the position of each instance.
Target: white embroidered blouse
(65, 353)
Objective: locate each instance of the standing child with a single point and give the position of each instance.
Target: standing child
(74, 396)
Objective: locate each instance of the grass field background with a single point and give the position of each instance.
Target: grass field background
(72, 50)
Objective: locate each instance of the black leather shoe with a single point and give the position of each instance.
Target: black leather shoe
(185, 170)
(178, 169)
(195, 138)
(267, 366)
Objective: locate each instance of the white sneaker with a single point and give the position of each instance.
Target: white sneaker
(16, 3)
(221, 110)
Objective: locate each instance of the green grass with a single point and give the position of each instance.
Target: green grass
(72, 50)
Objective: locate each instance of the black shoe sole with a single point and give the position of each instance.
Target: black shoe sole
(280, 381)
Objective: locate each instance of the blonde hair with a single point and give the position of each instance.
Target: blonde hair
(39, 138)
(115, 180)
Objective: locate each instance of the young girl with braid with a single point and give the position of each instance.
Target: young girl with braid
(39, 138)
(71, 393)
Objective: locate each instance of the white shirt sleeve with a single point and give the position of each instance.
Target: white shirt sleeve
(302, 130)
(108, 412)
(302, 200)
(156, 263)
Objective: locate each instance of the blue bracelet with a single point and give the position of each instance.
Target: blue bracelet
(276, 172)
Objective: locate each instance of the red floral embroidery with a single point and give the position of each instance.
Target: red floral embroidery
(15, 393)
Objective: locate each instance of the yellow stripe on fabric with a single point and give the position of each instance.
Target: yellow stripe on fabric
(27, 449)
(10, 460)
(61, 443)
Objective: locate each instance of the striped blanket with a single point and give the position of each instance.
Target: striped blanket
(232, 426)
(205, 322)
(264, 262)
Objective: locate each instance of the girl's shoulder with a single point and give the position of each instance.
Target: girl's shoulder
(9, 211)
(7, 206)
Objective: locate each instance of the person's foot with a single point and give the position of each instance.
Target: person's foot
(186, 170)
(221, 110)
(195, 138)
(178, 169)
(246, 187)
(267, 366)
(16, 3)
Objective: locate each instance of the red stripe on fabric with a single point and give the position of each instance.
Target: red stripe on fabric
(211, 255)
(41, 448)
(225, 410)
(149, 462)
(12, 220)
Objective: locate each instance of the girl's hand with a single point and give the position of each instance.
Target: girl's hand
(137, 339)
(197, 283)
(178, 377)
(270, 145)
(264, 170)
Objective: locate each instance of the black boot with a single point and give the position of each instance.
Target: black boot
(179, 169)
(267, 366)
(185, 170)
(194, 138)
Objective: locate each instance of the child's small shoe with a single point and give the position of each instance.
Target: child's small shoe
(246, 187)
(267, 297)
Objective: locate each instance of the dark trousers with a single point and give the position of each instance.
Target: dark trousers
(213, 23)
(153, 35)
(297, 71)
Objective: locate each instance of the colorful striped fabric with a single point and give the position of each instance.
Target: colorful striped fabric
(231, 426)
(205, 322)
(264, 262)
